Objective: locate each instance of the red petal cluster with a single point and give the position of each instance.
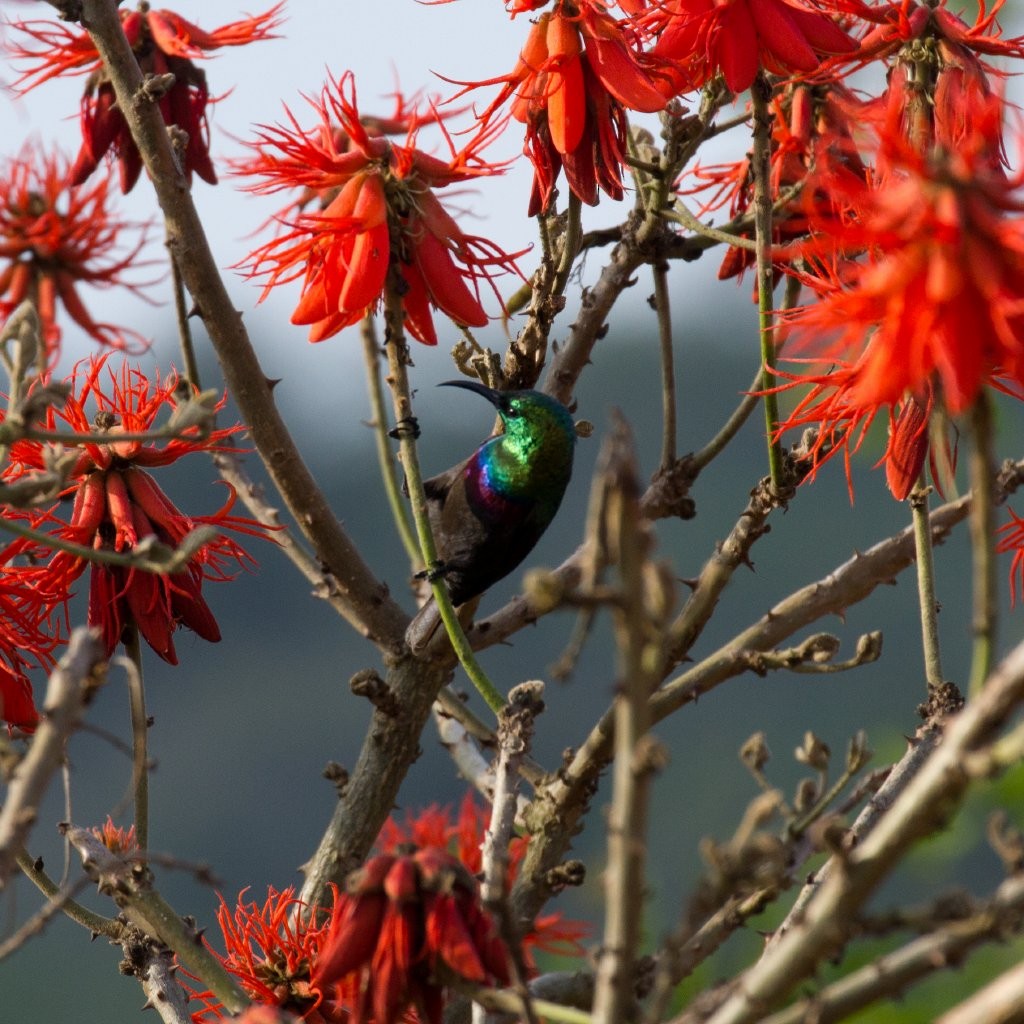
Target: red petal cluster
(741, 37)
(578, 73)
(117, 504)
(462, 836)
(164, 43)
(53, 238)
(382, 213)
(402, 922)
(271, 950)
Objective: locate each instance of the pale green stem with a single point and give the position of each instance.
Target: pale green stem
(188, 350)
(389, 475)
(983, 529)
(140, 732)
(570, 243)
(742, 412)
(96, 923)
(398, 359)
(663, 308)
(760, 93)
(926, 584)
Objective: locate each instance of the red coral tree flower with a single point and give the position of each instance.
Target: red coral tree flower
(939, 85)
(577, 75)
(462, 834)
(741, 37)
(403, 923)
(26, 640)
(118, 504)
(1012, 539)
(54, 238)
(272, 949)
(935, 312)
(163, 43)
(383, 212)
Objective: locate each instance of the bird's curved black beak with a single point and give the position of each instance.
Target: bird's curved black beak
(492, 396)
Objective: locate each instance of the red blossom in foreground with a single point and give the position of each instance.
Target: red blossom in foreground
(271, 948)
(54, 238)
(741, 37)
(26, 641)
(402, 925)
(933, 314)
(118, 504)
(577, 75)
(462, 835)
(117, 839)
(164, 43)
(383, 213)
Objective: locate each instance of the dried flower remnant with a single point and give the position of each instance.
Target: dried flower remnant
(54, 238)
(402, 925)
(384, 212)
(118, 504)
(164, 43)
(741, 37)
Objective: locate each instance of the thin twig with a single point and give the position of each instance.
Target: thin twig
(71, 685)
(140, 735)
(926, 586)
(983, 528)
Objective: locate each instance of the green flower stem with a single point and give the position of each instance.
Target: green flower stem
(188, 349)
(926, 585)
(742, 412)
(140, 752)
(570, 243)
(389, 476)
(96, 923)
(761, 92)
(398, 361)
(983, 528)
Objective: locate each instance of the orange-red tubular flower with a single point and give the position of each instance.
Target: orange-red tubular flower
(54, 238)
(117, 504)
(401, 923)
(577, 75)
(380, 209)
(164, 43)
(272, 949)
(935, 309)
(740, 37)
(461, 834)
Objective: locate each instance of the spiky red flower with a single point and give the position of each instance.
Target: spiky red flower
(577, 75)
(117, 505)
(938, 85)
(461, 834)
(164, 43)
(383, 212)
(116, 838)
(401, 925)
(934, 312)
(54, 238)
(272, 949)
(26, 641)
(741, 37)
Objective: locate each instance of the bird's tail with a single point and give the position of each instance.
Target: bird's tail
(423, 627)
(426, 623)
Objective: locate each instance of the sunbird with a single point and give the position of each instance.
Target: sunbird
(488, 512)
